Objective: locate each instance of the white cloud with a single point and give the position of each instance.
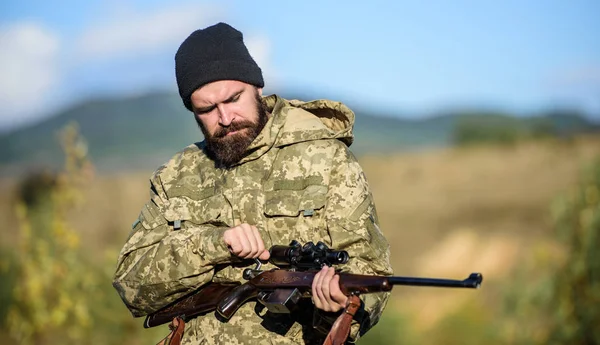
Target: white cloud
(37, 69)
(130, 32)
(260, 49)
(29, 67)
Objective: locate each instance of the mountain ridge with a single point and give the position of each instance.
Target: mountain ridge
(132, 133)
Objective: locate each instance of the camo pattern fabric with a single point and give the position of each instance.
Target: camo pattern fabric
(299, 181)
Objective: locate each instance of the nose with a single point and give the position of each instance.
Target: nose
(225, 115)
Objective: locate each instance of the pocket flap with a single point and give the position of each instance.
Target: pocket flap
(291, 202)
(199, 211)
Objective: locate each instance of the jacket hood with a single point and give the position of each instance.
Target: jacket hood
(294, 121)
(319, 119)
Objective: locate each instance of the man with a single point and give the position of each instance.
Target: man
(268, 172)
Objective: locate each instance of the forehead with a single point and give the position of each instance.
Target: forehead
(218, 91)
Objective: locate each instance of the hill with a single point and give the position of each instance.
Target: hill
(142, 132)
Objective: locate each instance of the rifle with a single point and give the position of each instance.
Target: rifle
(280, 289)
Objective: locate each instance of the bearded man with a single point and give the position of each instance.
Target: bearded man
(269, 171)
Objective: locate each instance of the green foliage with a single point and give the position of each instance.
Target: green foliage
(471, 324)
(8, 277)
(500, 130)
(51, 291)
(527, 299)
(542, 128)
(53, 282)
(576, 293)
(554, 297)
(392, 328)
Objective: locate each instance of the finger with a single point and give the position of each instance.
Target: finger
(231, 239)
(319, 289)
(336, 293)
(245, 243)
(316, 290)
(325, 288)
(261, 243)
(263, 254)
(249, 233)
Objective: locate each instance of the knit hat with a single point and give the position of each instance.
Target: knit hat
(214, 53)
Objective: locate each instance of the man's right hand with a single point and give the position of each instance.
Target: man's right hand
(244, 241)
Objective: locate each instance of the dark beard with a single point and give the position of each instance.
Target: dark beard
(228, 150)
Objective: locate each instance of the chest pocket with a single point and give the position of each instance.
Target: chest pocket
(199, 207)
(296, 214)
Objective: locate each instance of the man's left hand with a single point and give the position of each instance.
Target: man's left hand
(326, 293)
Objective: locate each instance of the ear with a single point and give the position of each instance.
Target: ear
(259, 89)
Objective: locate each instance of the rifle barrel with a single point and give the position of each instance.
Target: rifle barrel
(473, 281)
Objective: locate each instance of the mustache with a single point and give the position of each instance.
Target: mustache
(234, 126)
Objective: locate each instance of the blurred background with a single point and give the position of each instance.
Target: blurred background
(478, 127)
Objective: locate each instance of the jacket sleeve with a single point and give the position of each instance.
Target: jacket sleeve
(160, 264)
(353, 226)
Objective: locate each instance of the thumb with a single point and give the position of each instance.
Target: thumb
(265, 255)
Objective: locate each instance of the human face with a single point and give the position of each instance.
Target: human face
(230, 114)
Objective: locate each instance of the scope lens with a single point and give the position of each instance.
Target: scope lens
(338, 257)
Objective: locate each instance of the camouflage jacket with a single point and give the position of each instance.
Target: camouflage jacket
(299, 181)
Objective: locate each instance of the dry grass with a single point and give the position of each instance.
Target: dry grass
(424, 198)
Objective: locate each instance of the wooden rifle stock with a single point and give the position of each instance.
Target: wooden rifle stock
(203, 300)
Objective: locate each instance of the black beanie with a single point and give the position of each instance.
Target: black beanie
(214, 53)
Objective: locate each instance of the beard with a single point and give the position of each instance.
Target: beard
(226, 150)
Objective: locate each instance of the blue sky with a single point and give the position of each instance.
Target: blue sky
(406, 58)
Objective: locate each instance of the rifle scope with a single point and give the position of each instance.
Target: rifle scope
(307, 256)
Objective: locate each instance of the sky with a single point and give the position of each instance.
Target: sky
(405, 58)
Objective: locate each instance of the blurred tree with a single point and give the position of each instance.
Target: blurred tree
(53, 285)
(473, 130)
(543, 128)
(497, 129)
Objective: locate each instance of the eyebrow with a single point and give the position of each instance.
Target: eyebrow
(211, 107)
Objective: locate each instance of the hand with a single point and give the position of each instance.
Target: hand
(326, 293)
(244, 241)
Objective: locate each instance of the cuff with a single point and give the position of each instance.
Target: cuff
(211, 246)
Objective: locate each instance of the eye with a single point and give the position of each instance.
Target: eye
(233, 98)
(202, 111)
